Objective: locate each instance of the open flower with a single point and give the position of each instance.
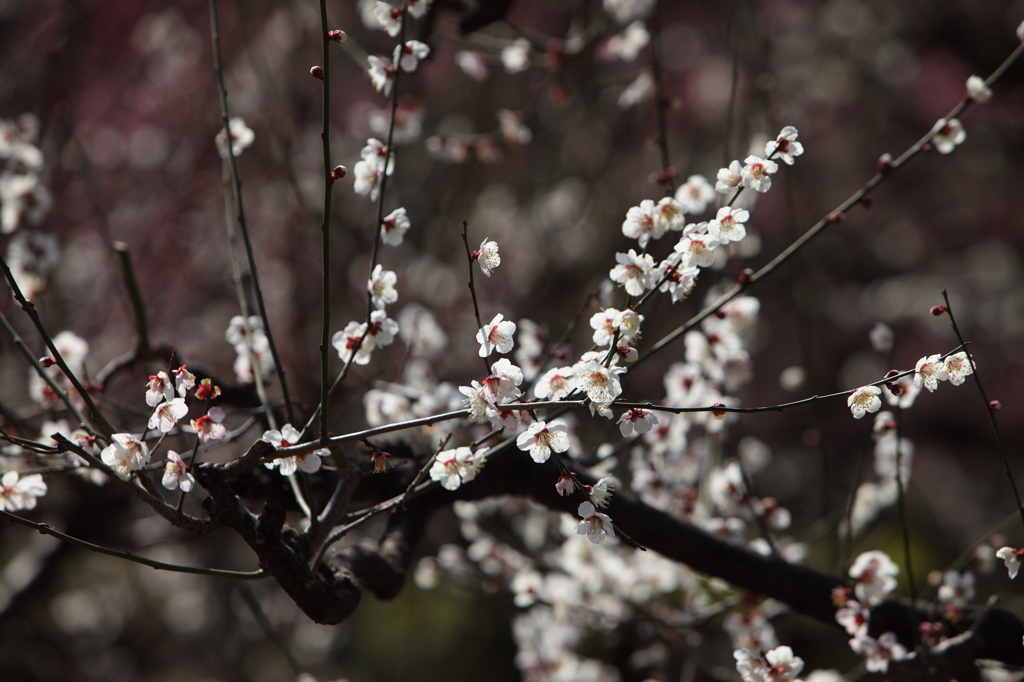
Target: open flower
(634, 272)
(594, 525)
(409, 55)
(125, 454)
(394, 227)
(977, 90)
(17, 492)
(757, 173)
(950, 134)
(729, 178)
(496, 336)
(381, 286)
(241, 137)
(487, 257)
(555, 384)
(785, 146)
(874, 572)
(1011, 557)
(176, 473)
(864, 399)
(929, 372)
(541, 439)
(696, 194)
(209, 427)
(636, 421)
(159, 389)
(452, 468)
(382, 74)
(958, 367)
(167, 414)
(728, 225)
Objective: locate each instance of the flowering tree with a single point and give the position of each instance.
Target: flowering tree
(613, 450)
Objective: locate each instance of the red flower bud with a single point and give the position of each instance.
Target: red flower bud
(937, 310)
(317, 73)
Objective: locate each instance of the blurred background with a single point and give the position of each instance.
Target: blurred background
(127, 108)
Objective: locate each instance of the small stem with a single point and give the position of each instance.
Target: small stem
(472, 287)
(904, 527)
(660, 103)
(138, 309)
(325, 231)
(984, 398)
(46, 529)
(236, 185)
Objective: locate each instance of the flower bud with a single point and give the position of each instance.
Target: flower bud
(938, 310)
(317, 73)
(995, 405)
(884, 162)
(337, 36)
(338, 173)
(47, 361)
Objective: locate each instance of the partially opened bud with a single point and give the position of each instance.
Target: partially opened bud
(317, 73)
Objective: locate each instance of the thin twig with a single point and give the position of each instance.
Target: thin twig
(904, 527)
(325, 225)
(660, 104)
(249, 597)
(472, 287)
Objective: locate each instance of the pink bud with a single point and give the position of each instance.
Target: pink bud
(338, 173)
(995, 405)
(337, 36)
(937, 310)
(884, 162)
(317, 73)
(47, 361)
(745, 276)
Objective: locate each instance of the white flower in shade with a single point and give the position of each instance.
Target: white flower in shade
(241, 137)
(394, 227)
(496, 336)
(695, 194)
(240, 329)
(159, 389)
(697, 248)
(367, 179)
(389, 17)
(908, 392)
(854, 618)
(958, 367)
(757, 173)
(478, 401)
(1011, 557)
(472, 64)
(640, 224)
(879, 652)
(286, 437)
(17, 492)
(785, 146)
(501, 385)
(874, 572)
(167, 414)
(681, 276)
(555, 384)
(948, 135)
(600, 383)
(347, 343)
(882, 337)
(627, 45)
(417, 8)
(308, 462)
(452, 468)
(929, 371)
(977, 89)
(125, 454)
(957, 589)
(516, 57)
(382, 74)
(751, 666)
(595, 526)
(636, 421)
(784, 666)
(176, 473)
(669, 214)
(410, 55)
(381, 286)
(633, 271)
(541, 439)
(728, 225)
(864, 399)
(729, 178)
(637, 91)
(487, 257)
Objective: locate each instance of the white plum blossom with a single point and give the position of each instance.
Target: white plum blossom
(669, 214)
(600, 383)
(627, 45)
(634, 272)
(496, 336)
(628, 322)
(929, 371)
(757, 173)
(784, 666)
(977, 90)
(957, 589)
(347, 343)
(209, 426)
(750, 665)
(555, 384)
(695, 194)
(382, 329)
(20, 492)
(637, 91)
(368, 171)
(728, 225)
(159, 389)
(125, 454)
(604, 325)
(882, 337)
(785, 146)
(176, 473)
(184, 380)
(698, 248)
(640, 224)
(948, 134)
(394, 227)
(729, 178)
(601, 492)
(382, 74)
(167, 414)
(864, 399)
(501, 385)
(478, 401)
(879, 651)
(452, 468)
(472, 64)
(854, 618)
(636, 421)
(682, 275)
(389, 17)
(241, 137)
(516, 57)
(287, 436)
(874, 572)
(1012, 558)
(541, 439)
(487, 257)
(958, 367)
(627, 10)
(595, 525)
(381, 286)
(409, 56)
